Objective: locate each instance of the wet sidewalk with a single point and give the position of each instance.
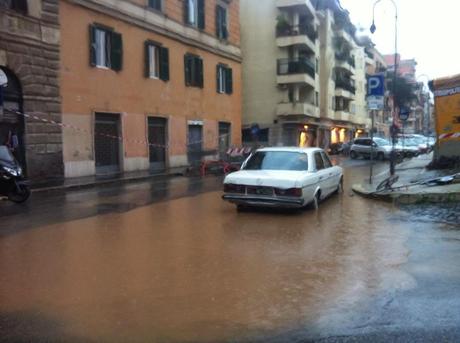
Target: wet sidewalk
(410, 187)
(99, 180)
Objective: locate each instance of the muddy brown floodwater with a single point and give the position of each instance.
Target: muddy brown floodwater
(194, 269)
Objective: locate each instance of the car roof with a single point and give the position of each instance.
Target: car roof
(291, 149)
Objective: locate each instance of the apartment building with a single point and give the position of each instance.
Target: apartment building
(343, 65)
(280, 72)
(148, 84)
(30, 104)
(303, 74)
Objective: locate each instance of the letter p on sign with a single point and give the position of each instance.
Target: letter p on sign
(376, 85)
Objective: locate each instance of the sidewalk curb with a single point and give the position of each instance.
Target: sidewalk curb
(409, 198)
(96, 183)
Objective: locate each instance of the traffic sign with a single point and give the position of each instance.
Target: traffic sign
(375, 102)
(404, 113)
(376, 85)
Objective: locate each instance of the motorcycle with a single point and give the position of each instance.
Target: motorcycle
(13, 184)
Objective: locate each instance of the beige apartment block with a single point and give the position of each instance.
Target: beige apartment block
(280, 71)
(304, 74)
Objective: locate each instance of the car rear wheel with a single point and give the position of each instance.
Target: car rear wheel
(339, 189)
(314, 205)
(353, 155)
(380, 156)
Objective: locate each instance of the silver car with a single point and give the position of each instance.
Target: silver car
(362, 147)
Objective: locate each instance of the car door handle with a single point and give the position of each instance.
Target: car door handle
(320, 177)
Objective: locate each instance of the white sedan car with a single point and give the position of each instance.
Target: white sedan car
(283, 177)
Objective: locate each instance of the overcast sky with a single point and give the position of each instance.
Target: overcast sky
(427, 31)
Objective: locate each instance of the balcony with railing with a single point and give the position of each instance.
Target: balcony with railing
(288, 35)
(296, 70)
(302, 5)
(297, 109)
(369, 57)
(344, 87)
(345, 61)
(343, 34)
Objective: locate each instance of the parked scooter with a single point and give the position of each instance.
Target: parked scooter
(13, 185)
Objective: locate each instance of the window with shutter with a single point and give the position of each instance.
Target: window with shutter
(100, 47)
(187, 70)
(200, 75)
(221, 79)
(191, 12)
(224, 79)
(106, 47)
(193, 71)
(221, 22)
(116, 54)
(92, 46)
(201, 14)
(229, 81)
(153, 60)
(164, 64)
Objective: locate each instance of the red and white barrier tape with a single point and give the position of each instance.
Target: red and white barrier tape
(449, 135)
(120, 138)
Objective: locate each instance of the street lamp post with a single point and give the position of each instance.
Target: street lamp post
(393, 131)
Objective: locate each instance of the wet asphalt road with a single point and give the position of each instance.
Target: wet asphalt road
(168, 261)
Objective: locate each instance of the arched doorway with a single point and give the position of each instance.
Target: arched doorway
(12, 124)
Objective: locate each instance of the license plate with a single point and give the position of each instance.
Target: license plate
(264, 191)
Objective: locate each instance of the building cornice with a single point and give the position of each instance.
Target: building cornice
(161, 24)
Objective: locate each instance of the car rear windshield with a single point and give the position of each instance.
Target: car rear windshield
(277, 160)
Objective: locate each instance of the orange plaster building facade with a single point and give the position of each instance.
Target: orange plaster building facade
(148, 84)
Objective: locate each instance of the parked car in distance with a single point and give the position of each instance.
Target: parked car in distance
(283, 177)
(409, 147)
(362, 147)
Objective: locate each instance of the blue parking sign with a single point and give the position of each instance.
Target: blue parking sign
(376, 85)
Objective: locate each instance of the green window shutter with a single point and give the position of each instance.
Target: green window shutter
(201, 15)
(229, 81)
(200, 72)
(146, 60)
(218, 22)
(217, 78)
(92, 45)
(224, 24)
(116, 51)
(164, 64)
(186, 11)
(187, 70)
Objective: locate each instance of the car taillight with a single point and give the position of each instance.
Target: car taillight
(232, 188)
(290, 192)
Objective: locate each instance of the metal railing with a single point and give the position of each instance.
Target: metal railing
(345, 58)
(345, 84)
(302, 65)
(296, 30)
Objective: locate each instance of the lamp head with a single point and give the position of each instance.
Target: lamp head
(373, 27)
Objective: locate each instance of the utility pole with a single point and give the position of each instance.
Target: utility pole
(372, 147)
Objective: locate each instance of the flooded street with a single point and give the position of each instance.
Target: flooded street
(171, 262)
